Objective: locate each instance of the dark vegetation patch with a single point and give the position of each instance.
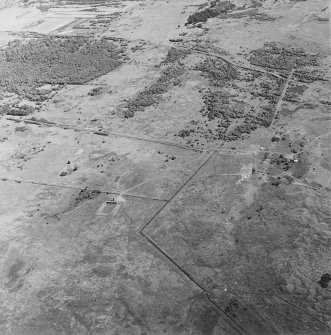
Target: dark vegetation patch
(245, 128)
(95, 91)
(252, 14)
(308, 76)
(232, 307)
(84, 195)
(102, 271)
(281, 167)
(221, 110)
(21, 129)
(198, 133)
(269, 90)
(41, 120)
(214, 9)
(295, 144)
(324, 281)
(224, 116)
(217, 105)
(27, 65)
(257, 3)
(167, 158)
(294, 91)
(176, 55)
(226, 113)
(203, 5)
(283, 162)
(281, 58)
(175, 40)
(16, 110)
(170, 76)
(265, 115)
(223, 10)
(153, 94)
(218, 71)
(184, 133)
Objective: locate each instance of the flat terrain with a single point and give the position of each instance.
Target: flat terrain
(165, 167)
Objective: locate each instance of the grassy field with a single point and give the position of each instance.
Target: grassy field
(165, 168)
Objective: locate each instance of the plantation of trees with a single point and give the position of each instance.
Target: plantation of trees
(216, 8)
(25, 66)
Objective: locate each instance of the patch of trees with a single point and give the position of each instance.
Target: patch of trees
(184, 133)
(222, 109)
(270, 90)
(308, 76)
(281, 58)
(293, 92)
(22, 110)
(217, 105)
(95, 91)
(175, 40)
(152, 94)
(215, 9)
(84, 195)
(249, 124)
(25, 66)
(265, 115)
(176, 55)
(218, 71)
(44, 8)
(252, 14)
(281, 161)
(220, 104)
(4, 109)
(256, 3)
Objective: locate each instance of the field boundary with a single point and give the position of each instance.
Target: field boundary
(144, 139)
(103, 133)
(117, 192)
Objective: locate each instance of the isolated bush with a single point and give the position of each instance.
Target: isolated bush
(95, 91)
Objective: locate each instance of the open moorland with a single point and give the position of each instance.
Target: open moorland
(165, 167)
